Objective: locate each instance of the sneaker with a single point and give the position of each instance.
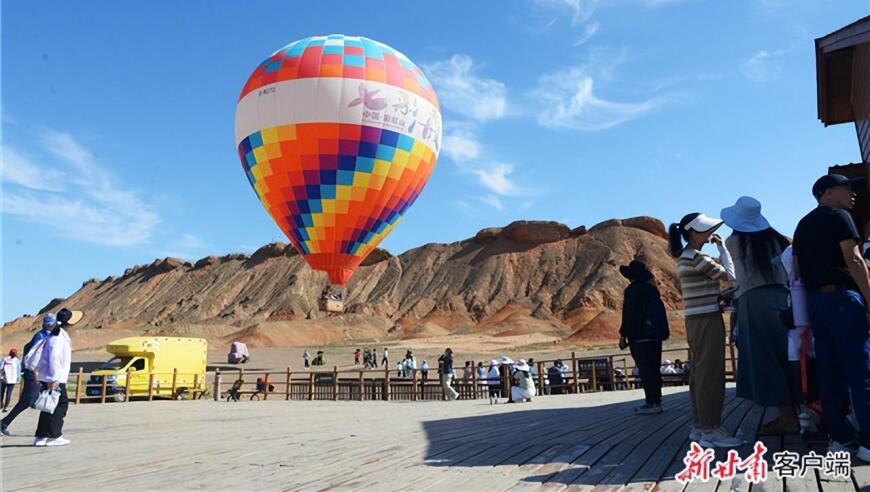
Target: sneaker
(4, 429)
(863, 454)
(718, 439)
(57, 441)
(695, 434)
(40, 441)
(836, 447)
(647, 409)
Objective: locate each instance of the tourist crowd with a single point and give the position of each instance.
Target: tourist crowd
(797, 310)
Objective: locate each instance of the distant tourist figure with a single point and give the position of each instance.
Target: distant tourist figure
(447, 374)
(238, 353)
(765, 375)
(424, 371)
(493, 378)
(53, 366)
(374, 358)
(830, 264)
(700, 279)
(30, 391)
(410, 364)
(467, 372)
(400, 369)
(481, 374)
(306, 358)
(644, 327)
(9, 376)
(533, 371)
(367, 354)
(524, 389)
(319, 360)
(385, 360)
(556, 378)
(356, 356)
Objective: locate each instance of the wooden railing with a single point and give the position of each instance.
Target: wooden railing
(580, 375)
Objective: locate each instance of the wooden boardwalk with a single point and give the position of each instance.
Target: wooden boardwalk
(588, 441)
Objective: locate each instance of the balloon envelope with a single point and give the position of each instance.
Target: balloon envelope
(337, 135)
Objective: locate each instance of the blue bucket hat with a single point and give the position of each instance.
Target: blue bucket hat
(49, 320)
(745, 215)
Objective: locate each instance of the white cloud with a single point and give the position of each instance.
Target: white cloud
(462, 92)
(496, 178)
(493, 201)
(84, 202)
(588, 32)
(18, 170)
(763, 66)
(461, 143)
(577, 9)
(569, 102)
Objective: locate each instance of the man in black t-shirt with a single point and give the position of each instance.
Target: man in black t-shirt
(831, 266)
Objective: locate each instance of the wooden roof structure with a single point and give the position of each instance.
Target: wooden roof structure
(834, 71)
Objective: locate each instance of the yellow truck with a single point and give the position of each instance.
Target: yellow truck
(142, 356)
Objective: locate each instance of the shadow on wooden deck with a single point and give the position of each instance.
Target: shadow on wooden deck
(609, 446)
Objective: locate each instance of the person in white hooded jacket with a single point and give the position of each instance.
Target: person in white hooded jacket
(53, 371)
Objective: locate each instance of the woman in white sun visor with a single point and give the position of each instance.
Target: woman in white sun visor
(700, 278)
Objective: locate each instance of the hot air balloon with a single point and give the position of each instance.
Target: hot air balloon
(337, 135)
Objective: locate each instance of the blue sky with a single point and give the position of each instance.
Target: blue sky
(118, 119)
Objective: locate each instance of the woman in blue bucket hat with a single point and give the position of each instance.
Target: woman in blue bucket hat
(764, 375)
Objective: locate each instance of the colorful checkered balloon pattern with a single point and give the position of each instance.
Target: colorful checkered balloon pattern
(337, 158)
(338, 55)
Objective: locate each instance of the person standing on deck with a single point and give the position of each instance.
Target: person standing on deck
(446, 374)
(411, 363)
(385, 361)
(356, 356)
(700, 279)
(644, 327)
(53, 366)
(467, 372)
(493, 378)
(30, 391)
(831, 267)
(424, 371)
(10, 373)
(765, 376)
(306, 359)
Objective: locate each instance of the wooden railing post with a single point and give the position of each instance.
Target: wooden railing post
(217, 385)
(625, 374)
(266, 387)
(174, 381)
(594, 376)
(575, 369)
(287, 389)
(414, 384)
(387, 383)
(473, 381)
(506, 382)
(540, 378)
(103, 390)
(311, 386)
(612, 373)
(733, 360)
(127, 392)
(150, 385)
(361, 386)
(334, 383)
(195, 386)
(78, 385)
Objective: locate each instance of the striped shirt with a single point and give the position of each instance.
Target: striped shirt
(700, 277)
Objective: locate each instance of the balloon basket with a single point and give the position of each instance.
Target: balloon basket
(331, 306)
